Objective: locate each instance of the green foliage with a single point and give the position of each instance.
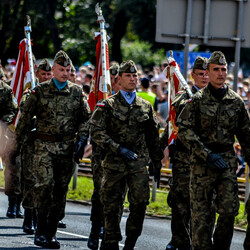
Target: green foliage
(141, 52)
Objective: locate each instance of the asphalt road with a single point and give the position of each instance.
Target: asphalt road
(156, 232)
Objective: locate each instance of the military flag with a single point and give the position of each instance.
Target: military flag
(100, 86)
(176, 83)
(23, 77)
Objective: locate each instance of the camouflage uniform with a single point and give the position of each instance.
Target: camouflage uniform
(207, 125)
(8, 113)
(60, 115)
(115, 123)
(27, 162)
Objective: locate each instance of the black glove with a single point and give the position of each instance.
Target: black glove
(127, 153)
(157, 172)
(215, 161)
(79, 148)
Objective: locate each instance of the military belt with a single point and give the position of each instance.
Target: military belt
(54, 138)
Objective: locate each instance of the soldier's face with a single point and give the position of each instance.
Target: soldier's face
(128, 81)
(43, 75)
(61, 73)
(217, 74)
(200, 78)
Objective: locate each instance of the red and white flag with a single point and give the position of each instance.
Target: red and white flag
(172, 71)
(98, 83)
(22, 76)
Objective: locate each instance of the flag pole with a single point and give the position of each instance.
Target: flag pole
(101, 21)
(27, 31)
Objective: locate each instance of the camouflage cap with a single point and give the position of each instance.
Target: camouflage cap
(200, 63)
(114, 69)
(62, 58)
(128, 67)
(72, 69)
(44, 65)
(217, 57)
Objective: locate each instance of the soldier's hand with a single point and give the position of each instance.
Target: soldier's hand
(79, 148)
(215, 161)
(127, 153)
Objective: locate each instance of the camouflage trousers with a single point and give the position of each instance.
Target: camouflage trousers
(112, 196)
(179, 201)
(97, 171)
(247, 239)
(53, 173)
(12, 173)
(28, 179)
(204, 182)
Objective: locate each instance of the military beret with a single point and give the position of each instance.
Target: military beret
(62, 59)
(114, 69)
(200, 63)
(128, 67)
(44, 65)
(217, 57)
(73, 69)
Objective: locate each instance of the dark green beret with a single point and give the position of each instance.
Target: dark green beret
(44, 65)
(217, 57)
(62, 59)
(128, 67)
(114, 69)
(200, 63)
(72, 69)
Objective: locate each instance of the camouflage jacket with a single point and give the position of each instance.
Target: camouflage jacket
(8, 105)
(116, 123)
(178, 103)
(207, 124)
(58, 113)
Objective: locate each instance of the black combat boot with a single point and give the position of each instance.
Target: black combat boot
(109, 246)
(170, 246)
(61, 224)
(41, 227)
(51, 240)
(28, 226)
(19, 213)
(93, 241)
(130, 243)
(11, 212)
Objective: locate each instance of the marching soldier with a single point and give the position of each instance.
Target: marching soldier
(207, 127)
(178, 198)
(61, 111)
(126, 127)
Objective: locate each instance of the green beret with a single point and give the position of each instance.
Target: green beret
(128, 67)
(200, 63)
(114, 69)
(62, 59)
(44, 65)
(217, 57)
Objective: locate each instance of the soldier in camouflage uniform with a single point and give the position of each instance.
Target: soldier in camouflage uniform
(61, 111)
(98, 153)
(43, 73)
(207, 127)
(178, 198)
(12, 173)
(126, 127)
